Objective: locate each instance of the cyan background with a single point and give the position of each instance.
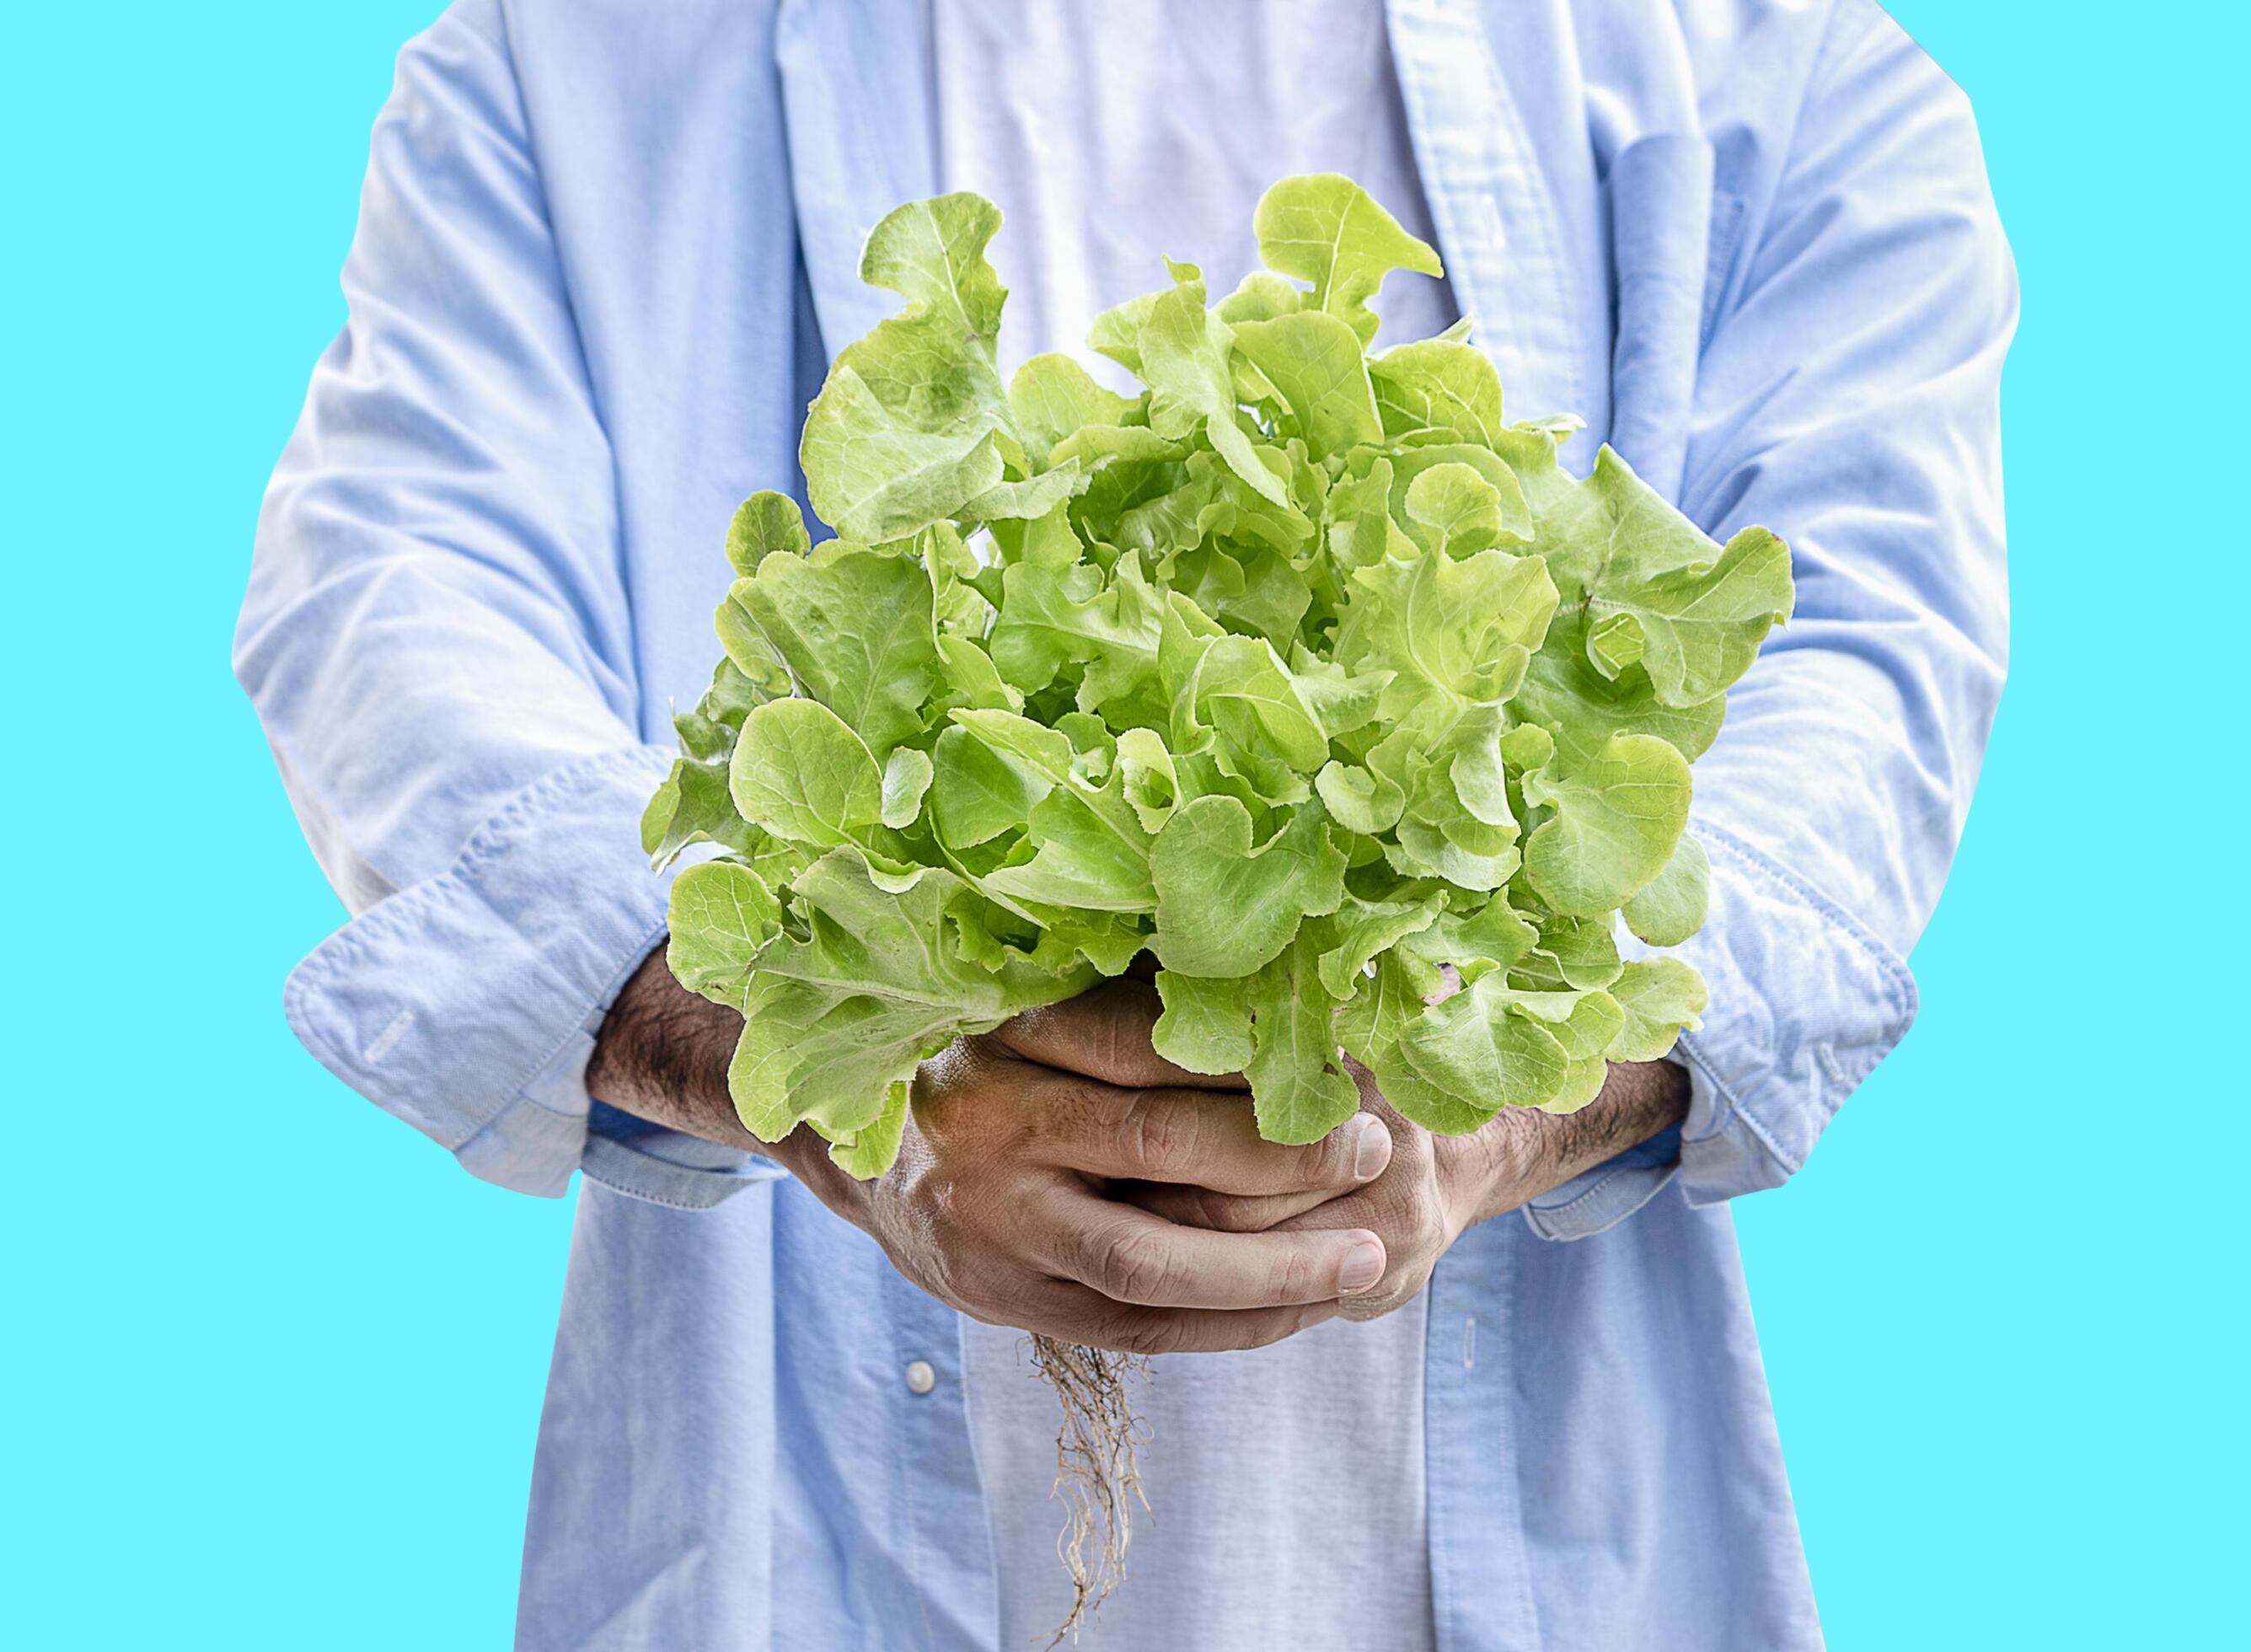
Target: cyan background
(274, 1364)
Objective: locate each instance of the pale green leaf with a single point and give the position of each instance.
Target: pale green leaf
(909, 425)
(979, 792)
(1225, 909)
(1031, 497)
(1360, 801)
(720, 915)
(1670, 907)
(1617, 818)
(838, 1016)
(801, 773)
(1184, 350)
(1660, 997)
(1297, 1082)
(906, 777)
(1206, 1024)
(1151, 783)
(869, 1151)
(1452, 633)
(1698, 611)
(1052, 396)
(765, 523)
(1313, 360)
(1351, 936)
(1439, 385)
(1453, 510)
(856, 628)
(1325, 229)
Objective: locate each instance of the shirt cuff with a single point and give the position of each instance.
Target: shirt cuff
(467, 1005)
(1803, 1003)
(629, 1154)
(1608, 1194)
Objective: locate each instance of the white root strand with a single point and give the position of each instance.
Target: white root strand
(1095, 1471)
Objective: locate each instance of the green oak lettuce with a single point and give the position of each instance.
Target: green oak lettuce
(1302, 670)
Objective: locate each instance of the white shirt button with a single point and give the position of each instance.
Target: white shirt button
(921, 1377)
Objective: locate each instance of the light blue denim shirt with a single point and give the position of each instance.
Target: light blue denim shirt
(599, 248)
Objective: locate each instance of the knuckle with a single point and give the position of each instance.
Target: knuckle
(936, 1083)
(1294, 1277)
(1428, 1241)
(1417, 1223)
(1394, 1292)
(1109, 1105)
(1160, 1137)
(1320, 1165)
(1129, 1265)
(1004, 1143)
(1074, 1110)
(1141, 1333)
(1411, 1211)
(1106, 1039)
(941, 1261)
(1417, 1152)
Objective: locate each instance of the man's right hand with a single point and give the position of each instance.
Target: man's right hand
(998, 1204)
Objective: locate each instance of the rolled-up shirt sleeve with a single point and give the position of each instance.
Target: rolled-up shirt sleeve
(1849, 399)
(438, 640)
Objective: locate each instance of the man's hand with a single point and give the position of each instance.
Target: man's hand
(1437, 1187)
(999, 1202)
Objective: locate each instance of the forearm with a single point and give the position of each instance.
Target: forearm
(1638, 1100)
(662, 1054)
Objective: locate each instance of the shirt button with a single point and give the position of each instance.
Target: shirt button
(921, 1377)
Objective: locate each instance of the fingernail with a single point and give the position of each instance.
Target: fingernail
(1373, 1149)
(1361, 1267)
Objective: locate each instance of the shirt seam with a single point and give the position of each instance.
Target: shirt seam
(1595, 1189)
(673, 1201)
(1896, 983)
(1730, 1114)
(1515, 1534)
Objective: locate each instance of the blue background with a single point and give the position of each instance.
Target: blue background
(276, 1363)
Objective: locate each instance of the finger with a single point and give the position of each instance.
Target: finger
(1073, 1313)
(1210, 1140)
(1193, 1206)
(1103, 1034)
(1134, 1258)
